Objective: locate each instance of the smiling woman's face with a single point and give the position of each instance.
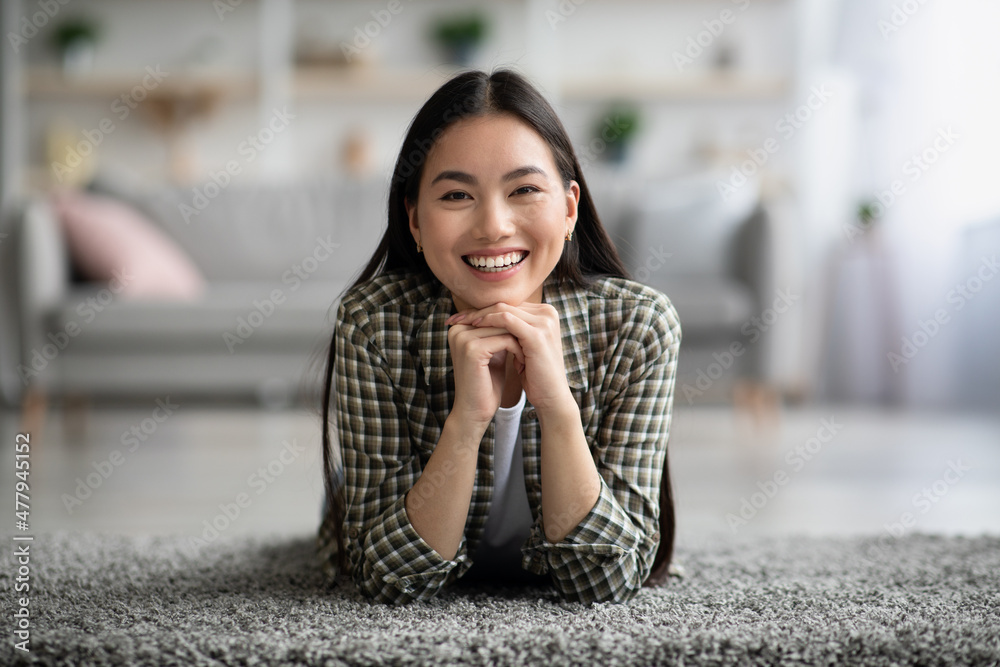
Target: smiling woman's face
(492, 213)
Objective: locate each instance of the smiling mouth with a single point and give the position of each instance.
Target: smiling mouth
(495, 263)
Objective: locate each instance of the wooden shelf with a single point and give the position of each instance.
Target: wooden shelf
(379, 85)
(374, 84)
(48, 83)
(701, 87)
(367, 83)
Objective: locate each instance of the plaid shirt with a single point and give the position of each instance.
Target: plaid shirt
(395, 387)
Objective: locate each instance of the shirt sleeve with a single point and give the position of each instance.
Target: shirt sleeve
(609, 554)
(389, 560)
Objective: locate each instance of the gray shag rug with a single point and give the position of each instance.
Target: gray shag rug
(104, 600)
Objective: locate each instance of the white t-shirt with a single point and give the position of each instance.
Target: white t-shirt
(499, 552)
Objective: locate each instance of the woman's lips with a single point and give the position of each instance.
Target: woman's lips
(495, 273)
(495, 262)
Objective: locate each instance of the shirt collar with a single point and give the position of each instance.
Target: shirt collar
(574, 324)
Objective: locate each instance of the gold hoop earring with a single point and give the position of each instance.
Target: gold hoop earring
(420, 248)
(569, 235)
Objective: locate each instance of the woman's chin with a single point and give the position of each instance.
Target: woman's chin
(481, 300)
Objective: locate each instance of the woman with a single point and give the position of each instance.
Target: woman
(502, 392)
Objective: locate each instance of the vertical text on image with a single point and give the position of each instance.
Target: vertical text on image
(22, 547)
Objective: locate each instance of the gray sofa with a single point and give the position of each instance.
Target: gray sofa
(716, 261)
(275, 258)
(240, 341)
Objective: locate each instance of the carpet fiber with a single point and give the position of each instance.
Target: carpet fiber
(919, 600)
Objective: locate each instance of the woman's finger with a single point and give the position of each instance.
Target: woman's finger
(477, 332)
(470, 316)
(490, 339)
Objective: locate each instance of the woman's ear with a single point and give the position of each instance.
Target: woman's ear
(572, 205)
(411, 213)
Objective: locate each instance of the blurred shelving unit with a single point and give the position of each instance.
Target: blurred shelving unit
(375, 84)
(724, 87)
(584, 56)
(366, 83)
(51, 84)
(245, 65)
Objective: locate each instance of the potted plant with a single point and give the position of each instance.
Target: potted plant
(76, 40)
(459, 37)
(616, 129)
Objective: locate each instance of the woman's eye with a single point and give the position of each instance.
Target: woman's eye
(455, 196)
(526, 190)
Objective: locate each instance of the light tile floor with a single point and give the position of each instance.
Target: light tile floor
(867, 474)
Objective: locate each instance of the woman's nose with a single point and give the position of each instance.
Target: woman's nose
(494, 221)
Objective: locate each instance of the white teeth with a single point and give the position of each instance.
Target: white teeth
(494, 263)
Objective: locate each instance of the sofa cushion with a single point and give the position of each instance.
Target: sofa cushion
(262, 231)
(111, 241)
(687, 220)
(228, 317)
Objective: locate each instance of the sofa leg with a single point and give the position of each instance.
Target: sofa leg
(33, 410)
(75, 410)
(759, 401)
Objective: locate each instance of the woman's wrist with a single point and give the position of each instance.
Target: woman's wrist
(464, 427)
(563, 407)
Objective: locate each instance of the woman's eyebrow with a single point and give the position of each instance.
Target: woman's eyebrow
(462, 177)
(524, 171)
(452, 175)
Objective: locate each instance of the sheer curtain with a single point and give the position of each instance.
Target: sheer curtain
(929, 76)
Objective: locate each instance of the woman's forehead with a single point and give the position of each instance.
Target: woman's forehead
(491, 145)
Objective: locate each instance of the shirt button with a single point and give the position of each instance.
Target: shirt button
(353, 532)
(531, 414)
(656, 536)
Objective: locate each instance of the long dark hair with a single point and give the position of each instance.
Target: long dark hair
(591, 254)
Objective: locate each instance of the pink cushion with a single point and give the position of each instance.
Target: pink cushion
(110, 240)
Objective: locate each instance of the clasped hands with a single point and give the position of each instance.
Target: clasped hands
(481, 340)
